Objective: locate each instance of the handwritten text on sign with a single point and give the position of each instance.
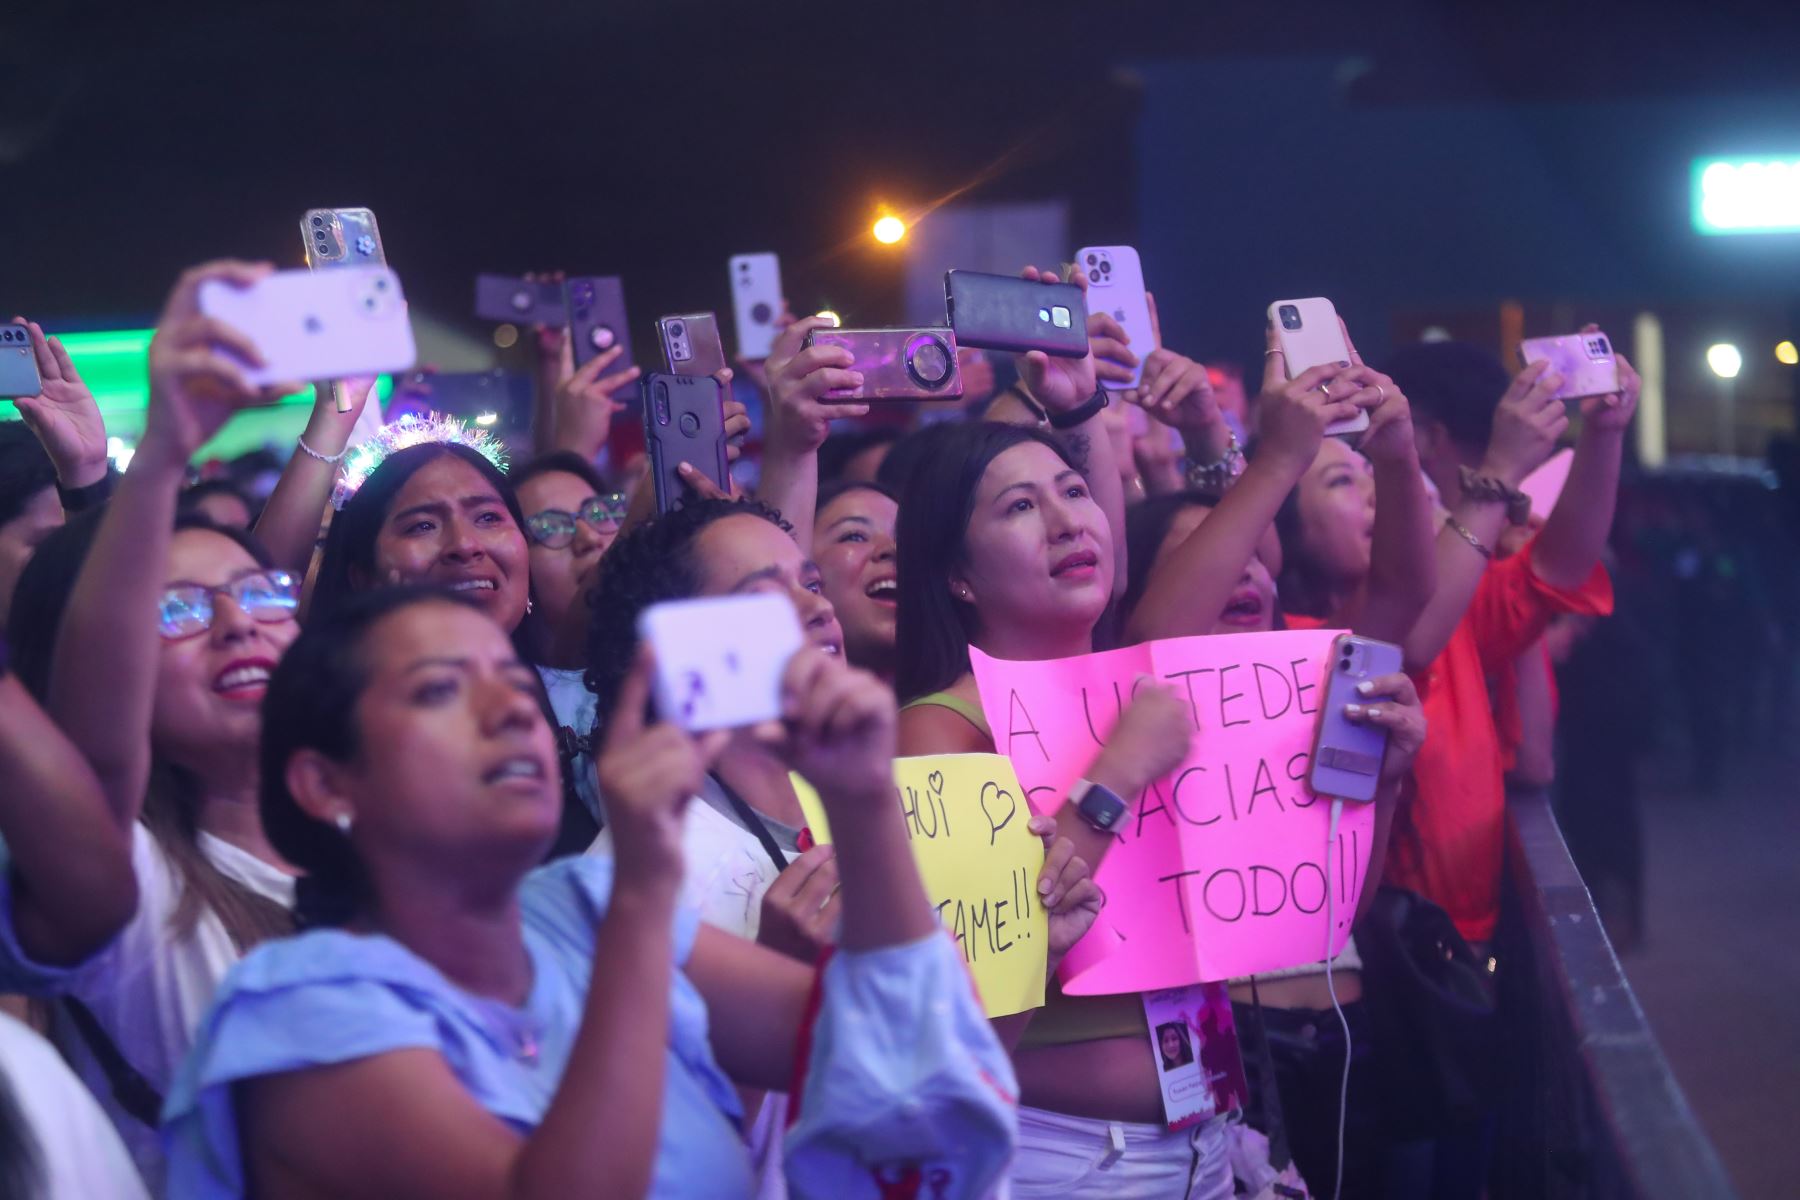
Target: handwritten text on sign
(966, 820)
(1221, 868)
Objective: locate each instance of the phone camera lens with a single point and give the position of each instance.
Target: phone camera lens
(928, 359)
(1290, 316)
(318, 221)
(1093, 277)
(1344, 666)
(1091, 259)
(1105, 268)
(1602, 344)
(677, 329)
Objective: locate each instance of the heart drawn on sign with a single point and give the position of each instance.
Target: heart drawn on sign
(993, 797)
(936, 780)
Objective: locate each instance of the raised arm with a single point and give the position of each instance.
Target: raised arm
(1527, 423)
(103, 680)
(798, 419)
(71, 880)
(289, 525)
(1576, 530)
(64, 416)
(1402, 554)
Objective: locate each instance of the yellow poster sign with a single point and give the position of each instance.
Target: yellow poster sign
(966, 819)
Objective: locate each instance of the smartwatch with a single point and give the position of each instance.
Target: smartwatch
(1099, 806)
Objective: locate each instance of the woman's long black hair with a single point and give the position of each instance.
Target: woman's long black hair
(934, 627)
(1146, 525)
(350, 546)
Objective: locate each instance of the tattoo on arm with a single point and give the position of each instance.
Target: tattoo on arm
(1080, 447)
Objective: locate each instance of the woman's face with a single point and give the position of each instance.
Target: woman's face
(559, 573)
(1337, 514)
(1171, 1044)
(1038, 550)
(19, 537)
(209, 687)
(455, 759)
(1252, 606)
(743, 553)
(449, 527)
(853, 543)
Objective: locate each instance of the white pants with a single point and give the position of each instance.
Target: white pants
(1079, 1158)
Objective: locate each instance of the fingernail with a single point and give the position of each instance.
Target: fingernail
(1365, 687)
(858, 376)
(1353, 710)
(1044, 886)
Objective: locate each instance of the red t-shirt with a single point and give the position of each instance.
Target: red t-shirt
(1450, 833)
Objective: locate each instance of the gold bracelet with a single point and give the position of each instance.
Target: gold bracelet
(1462, 531)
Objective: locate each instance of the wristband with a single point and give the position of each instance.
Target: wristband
(1083, 413)
(1215, 477)
(95, 494)
(1485, 489)
(329, 459)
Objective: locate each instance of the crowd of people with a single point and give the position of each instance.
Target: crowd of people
(368, 867)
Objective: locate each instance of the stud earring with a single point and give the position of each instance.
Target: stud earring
(528, 606)
(343, 822)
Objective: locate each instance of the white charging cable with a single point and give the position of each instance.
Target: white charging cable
(1337, 810)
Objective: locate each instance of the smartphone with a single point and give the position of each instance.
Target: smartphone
(690, 343)
(499, 401)
(720, 660)
(1311, 335)
(897, 364)
(18, 363)
(684, 421)
(1116, 286)
(521, 301)
(341, 237)
(755, 302)
(596, 308)
(1584, 360)
(1346, 758)
(329, 325)
(1004, 312)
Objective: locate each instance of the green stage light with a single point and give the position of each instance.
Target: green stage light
(1746, 195)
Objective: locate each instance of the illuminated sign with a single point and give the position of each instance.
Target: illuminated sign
(1746, 195)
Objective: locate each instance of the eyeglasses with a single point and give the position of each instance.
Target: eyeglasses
(268, 597)
(555, 529)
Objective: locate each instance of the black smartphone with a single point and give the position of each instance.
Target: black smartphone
(691, 344)
(596, 307)
(684, 422)
(1004, 312)
(521, 301)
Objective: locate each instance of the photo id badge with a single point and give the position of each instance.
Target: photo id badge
(1194, 1042)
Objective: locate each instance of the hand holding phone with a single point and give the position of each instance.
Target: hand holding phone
(18, 364)
(896, 364)
(1584, 363)
(1116, 287)
(1019, 314)
(1347, 754)
(330, 325)
(684, 422)
(597, 320)
(755, 302)
(720, 660)
(1310, 334)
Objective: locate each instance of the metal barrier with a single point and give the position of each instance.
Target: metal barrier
(1591, 1108)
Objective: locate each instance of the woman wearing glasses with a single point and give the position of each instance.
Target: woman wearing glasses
(571, 518)
(151, 643)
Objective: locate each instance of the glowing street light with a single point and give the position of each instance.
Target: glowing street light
(1725, 360)
(889, 229)
(1787, 354)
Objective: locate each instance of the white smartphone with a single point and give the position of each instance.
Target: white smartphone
(1311, 335)
(719, 660)
(318, 325)
(1116, 286)
(755, 302)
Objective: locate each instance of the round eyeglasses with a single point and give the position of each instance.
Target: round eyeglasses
(554, 528)
(186, 609)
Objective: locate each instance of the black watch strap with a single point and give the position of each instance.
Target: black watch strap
(95, 494)
(1078, 416)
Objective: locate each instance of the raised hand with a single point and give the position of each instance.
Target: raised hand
(1391, 702)
(800, 379)
(837, 729)
(801, 908)
(1527, 424)
(1062, 384)
(1066, 889)
(1294, 413)
(196, 366)
(585, 403)
(1612, 412)
(648, 772)
(63, 415)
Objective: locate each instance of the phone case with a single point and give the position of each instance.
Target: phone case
(897, 364)
(1584, 360)
(520, 301)
(755, 302)
(684, 421)
(719, 660)
(1346, 757)
(1311, 336)
(597, 322)
(690, 343)
(341, 237)
(1116, 286)
(499, 401)
(329, 325)
(1004, 312)
(18, 364)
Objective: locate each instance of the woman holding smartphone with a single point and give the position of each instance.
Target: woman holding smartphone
(459, 1023)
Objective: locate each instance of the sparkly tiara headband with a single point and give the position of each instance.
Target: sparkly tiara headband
(412, 430)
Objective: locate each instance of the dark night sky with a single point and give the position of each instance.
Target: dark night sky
(655, 140)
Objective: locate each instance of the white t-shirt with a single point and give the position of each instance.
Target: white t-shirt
(78, 1151)
(150, 987)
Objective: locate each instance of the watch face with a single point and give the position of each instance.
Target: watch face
(1101, 808)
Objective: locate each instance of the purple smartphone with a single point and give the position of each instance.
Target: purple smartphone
(1346, 757)
(897, 364)
(596, 311)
